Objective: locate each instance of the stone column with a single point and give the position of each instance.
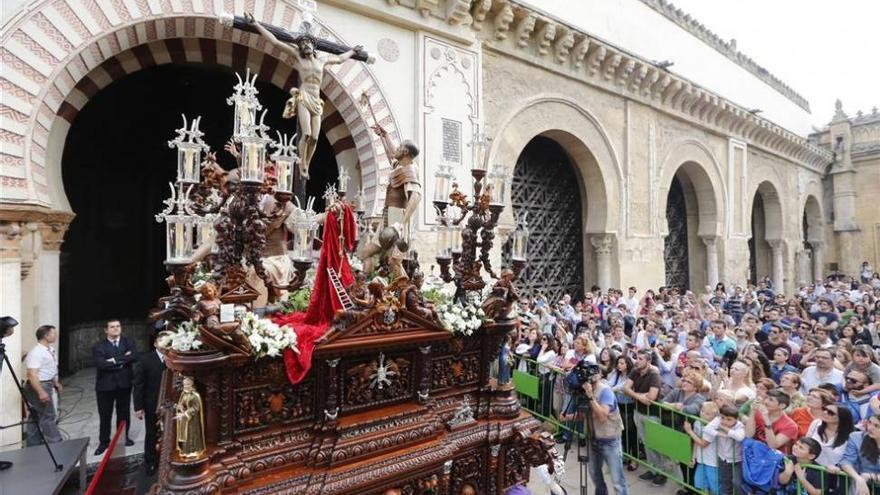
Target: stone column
(778, 251)
(49, 284)
(10, 305)
(818, 270)
(711, 260)
(602, 244)
(805, 268)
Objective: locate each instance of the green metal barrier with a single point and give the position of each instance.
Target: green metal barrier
(526, 384)
(538, 394)
(667, 441)
(673, 444)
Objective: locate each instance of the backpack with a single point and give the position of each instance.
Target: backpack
(761, 466)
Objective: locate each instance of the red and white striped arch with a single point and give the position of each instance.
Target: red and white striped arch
(57, 54)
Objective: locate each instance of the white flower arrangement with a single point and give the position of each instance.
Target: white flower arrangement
(184, 337)
(355, 262)
(266, 337)
(457, 318)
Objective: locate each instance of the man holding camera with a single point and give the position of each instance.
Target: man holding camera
(605, 425)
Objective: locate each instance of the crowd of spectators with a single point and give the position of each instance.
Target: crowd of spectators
(798, 372)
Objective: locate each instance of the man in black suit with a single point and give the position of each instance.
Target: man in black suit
(114, 357)
(148, 372)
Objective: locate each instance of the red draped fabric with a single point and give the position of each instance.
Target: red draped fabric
(311, 325)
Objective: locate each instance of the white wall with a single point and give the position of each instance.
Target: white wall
(9, 8)
(395, 78)
(636, 27)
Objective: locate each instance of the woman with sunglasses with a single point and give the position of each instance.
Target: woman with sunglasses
(864, 360)
(817, 400)
(832, 429)
(861, 458)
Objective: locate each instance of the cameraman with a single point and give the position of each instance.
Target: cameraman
(601, 416)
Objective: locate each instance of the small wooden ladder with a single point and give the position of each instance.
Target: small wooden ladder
(340, 290)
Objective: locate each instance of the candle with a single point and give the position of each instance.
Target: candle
(283, 175)
(440, 188)
(189, 158)
(178, 241)
(252, 160)
(443, 241)
(456, 239)
(206, 233)
(244, 116)
(497, 189)
(303, 244)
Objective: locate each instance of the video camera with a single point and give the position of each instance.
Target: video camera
(580, 374)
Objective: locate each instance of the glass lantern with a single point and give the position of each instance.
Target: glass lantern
(205, 232)
(496, 186)
(442, 180)
(189, 146)
(359, 202)
(455, 238)
(245, 117)
(284, 168)
(303, 231)
(179, 239)
(344, 178)
(481, 145)
(253, 159)
(189, 158)
(245, 104)
(519, 242)
(286, 160)
(444, 244)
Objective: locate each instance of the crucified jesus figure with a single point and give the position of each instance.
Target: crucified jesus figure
(305, 101)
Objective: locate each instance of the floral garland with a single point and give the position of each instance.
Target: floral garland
(266, 337)
(462, 319)
(184, 337)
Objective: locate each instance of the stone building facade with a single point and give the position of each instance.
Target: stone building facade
(749, 184)
(853, 187)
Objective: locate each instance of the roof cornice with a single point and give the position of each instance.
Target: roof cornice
(524, 32)
(726, 48)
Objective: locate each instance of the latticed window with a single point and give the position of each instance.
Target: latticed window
(545, 187)
(675, 248)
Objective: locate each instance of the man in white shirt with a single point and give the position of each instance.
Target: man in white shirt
(42, 378)
(632, 302)
(822, 372)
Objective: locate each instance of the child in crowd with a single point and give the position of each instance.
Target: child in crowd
(729, 433)
(705, 452)
(809, 480)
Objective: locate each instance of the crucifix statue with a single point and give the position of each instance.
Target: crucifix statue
(305, 101)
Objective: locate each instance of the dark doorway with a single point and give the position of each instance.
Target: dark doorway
(545, 187)
(675, 246)
(116, 168)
